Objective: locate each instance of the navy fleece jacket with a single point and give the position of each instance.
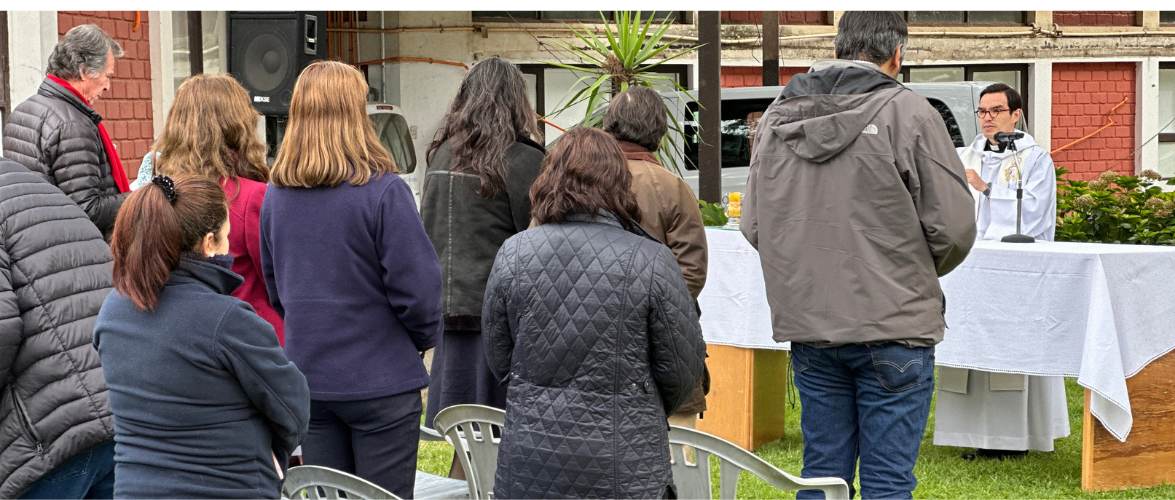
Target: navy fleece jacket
(203, 397)
(358, 282)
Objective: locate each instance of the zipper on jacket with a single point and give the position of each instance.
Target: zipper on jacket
(25, 424)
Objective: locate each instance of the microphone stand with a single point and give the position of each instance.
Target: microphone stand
(1018, 237)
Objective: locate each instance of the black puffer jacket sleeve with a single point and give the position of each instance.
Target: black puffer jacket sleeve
(495, 322)
(11, 326)
(676, 350)
(77, 171)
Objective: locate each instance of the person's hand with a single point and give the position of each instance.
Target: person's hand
(975, 180)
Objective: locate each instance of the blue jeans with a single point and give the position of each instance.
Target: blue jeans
(89, 474)
(867, 402)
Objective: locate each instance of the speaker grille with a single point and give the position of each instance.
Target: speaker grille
(267, 62)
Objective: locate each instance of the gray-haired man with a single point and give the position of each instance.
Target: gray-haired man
(57, 134)
(857, 203)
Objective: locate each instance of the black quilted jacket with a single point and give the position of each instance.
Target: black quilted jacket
(594, 329)
(55, 134)
(54, 274)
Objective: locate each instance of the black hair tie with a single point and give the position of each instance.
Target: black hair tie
(167, 185)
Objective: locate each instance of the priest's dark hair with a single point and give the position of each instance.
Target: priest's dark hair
(1014, 101)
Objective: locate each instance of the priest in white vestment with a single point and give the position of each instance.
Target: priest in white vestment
(1002, 414)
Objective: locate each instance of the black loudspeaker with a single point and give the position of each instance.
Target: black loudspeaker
(267, 51)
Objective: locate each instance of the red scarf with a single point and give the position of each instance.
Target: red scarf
(116, 169)
(633, 151)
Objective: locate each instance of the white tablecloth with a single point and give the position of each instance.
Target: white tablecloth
(1097, 312)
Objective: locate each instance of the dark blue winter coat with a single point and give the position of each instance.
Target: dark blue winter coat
(203, 396)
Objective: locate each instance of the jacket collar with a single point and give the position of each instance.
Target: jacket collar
(193, 268)
(608, 219)
(54, 90)
(839, 76)
(634, 151)
(529, 142)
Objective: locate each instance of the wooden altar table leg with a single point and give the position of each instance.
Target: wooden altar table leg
(1147, 458)
(746, 401)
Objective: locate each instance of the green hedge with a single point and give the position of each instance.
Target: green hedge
(1115, 208)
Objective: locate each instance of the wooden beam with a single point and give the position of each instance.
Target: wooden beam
(770, 48)
(195, 42)
(710, 99)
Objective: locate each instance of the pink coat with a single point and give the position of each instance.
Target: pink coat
(244, 238)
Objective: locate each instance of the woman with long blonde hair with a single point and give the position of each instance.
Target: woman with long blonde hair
(350, 268)
(211, 133)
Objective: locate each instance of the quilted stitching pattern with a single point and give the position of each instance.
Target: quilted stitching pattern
(598, 332)
(51, 135)
(54, 274)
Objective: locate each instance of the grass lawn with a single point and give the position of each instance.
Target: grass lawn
(941, 473)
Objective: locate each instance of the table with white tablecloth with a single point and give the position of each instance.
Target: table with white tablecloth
(1097, 312)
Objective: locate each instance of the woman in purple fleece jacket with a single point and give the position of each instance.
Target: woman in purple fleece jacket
(349, 267)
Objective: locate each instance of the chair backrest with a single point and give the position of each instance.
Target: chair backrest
(474, 431)
(312, 481)
(693, 480)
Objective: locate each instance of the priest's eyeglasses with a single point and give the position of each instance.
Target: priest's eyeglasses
(994, 112)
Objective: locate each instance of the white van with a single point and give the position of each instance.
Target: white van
(742, 107)
(391, 128)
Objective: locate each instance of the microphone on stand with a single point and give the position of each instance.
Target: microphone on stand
(1007, 141)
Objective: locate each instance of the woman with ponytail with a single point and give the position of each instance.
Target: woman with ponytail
(205, 403)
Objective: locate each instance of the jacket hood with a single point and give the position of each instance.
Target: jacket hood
(821, 112)
(194, 268)
(1023, 143)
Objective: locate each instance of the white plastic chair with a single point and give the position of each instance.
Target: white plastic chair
(312, 481)
(429, 486)
(693, 480)
(475, 432)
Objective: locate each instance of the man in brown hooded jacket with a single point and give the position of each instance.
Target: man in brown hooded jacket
(858, 203)
(669, 210)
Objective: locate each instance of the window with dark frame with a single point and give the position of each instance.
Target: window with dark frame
(1014, 75)
(937, 17)
(1167, 17)
(1166, 164)
(491, 16)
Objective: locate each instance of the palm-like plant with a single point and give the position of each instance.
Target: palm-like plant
(620, 60)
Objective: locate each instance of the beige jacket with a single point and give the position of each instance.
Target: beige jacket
(857, 202)
(670, 213)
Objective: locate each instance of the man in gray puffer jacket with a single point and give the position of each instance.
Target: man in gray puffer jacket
(858, 203)
(56, 428)
(57, 134)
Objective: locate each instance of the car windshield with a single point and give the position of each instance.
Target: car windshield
(392, 131)
(739, 119)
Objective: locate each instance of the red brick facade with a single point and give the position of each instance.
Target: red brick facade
(1095, 18)
(791, 17)
(752, 76)
(126, 107)
(1082, 96)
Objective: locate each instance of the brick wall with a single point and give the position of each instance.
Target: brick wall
(126, 106)
(1082, 96)
(752, 76)
(785, 17)
(1095, 18)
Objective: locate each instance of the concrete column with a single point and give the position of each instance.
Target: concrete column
(162, 67)
(1149, 19)
(1146, 118)
(1040, 108)
(31, 38)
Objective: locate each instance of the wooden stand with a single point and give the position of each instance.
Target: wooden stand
(746, 400)
(1147, 458)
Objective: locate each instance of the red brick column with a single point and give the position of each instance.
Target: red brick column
(752, 76)
(1083, 94)
(126, 106)
(1095, 18)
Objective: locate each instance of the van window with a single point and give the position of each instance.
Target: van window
(392, 131)
(949, 118)
(739, 119)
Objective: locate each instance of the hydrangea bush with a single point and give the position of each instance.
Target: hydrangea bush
(1115, 208)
